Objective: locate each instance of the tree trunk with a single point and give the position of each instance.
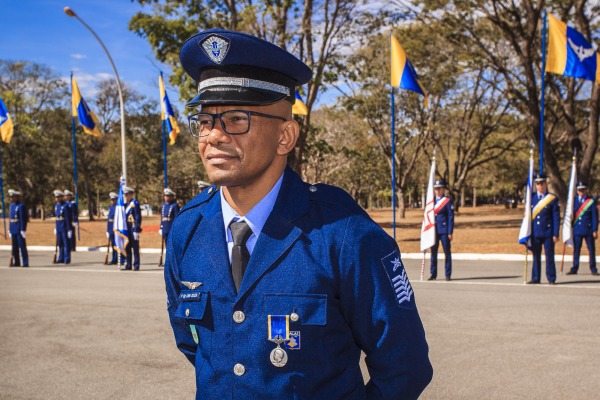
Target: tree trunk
(401, 207)
(474, 197)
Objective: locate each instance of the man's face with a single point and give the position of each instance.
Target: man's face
(128, 196)
(168, 198)
(241, 160)
(14, 199)
(439, 191)
(59, 198)
(113, 201)
(541, 187)
(68, 197)
(581, 192)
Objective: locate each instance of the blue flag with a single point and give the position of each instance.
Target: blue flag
(6, 123)
(167, 114)
(87, 118)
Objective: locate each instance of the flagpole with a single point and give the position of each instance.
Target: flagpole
(393, 166)
(543, 93)
(74, 145)
(2, 189)
(164, 138)
(71, 13)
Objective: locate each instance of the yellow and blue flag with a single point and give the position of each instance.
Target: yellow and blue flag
(87, 119)
(120, 225)
(6, 123)
(403, 73)
(166, 113)
(569, 53)
(299, 107)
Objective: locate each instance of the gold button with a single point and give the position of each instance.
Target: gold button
(312, 189)
(239, 317)
(187, 312)
(294, 317)
(239, 369)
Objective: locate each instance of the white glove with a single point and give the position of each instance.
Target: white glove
(23, 234)
(160, 232)
(136, 236)
(54, 231)
(69, 234)
(9, 234)
(76, 224)
(107, 235)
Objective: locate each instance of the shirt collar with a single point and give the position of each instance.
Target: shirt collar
(257, 216)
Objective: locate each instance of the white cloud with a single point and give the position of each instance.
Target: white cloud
(88, 83)
(78, 56)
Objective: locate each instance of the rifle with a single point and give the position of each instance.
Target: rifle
(162, 247)
(107, 250)
(55, 249)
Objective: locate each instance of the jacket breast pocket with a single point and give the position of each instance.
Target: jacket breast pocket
(310, 309)
(194, 308)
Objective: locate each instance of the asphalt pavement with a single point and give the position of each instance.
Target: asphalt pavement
(89, 331)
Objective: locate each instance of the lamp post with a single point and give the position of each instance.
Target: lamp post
(71, 13)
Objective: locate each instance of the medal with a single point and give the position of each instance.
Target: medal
(279, 332)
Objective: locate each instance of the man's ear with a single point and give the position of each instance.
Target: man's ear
(288, 137)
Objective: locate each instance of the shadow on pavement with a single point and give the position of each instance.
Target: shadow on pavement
(486, 277)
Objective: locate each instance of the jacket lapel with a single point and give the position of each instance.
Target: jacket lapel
(210, 239)
(279, 233)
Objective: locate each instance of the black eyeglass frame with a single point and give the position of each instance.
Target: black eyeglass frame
(219, 117)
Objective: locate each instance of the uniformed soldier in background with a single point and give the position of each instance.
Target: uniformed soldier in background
(545, 219)
(202, 186)
(63, 229)
(444, 228)
(585, 227)
(169, 211)
(74, 210)
(133, 216)
(110, 221)
(275, 286)
(17, 229)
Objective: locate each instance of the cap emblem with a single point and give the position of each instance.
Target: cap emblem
(216, 48)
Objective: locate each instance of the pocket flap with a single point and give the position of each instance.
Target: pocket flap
(192, 305)
(311, 308)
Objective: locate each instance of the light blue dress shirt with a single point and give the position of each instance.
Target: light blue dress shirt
(255, 218)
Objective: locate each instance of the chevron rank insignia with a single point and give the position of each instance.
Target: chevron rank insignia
(399, 279)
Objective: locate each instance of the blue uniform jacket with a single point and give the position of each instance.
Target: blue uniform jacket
(320, 256)
(588, 223)
(110, 221)
(63, 217)
(444, 219)
(547, 222)
(18, 218)
(133, 216)
(168, 214)
(74, 211)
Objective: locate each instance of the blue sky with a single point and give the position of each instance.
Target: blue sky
(40, 31)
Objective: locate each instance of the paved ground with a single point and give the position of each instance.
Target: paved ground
(90, 331)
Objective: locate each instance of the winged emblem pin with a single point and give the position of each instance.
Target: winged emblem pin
(191, 285)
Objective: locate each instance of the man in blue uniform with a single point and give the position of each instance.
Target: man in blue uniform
(17, 229)
(545, 219)
(110, 221)
(169, 211)
(202, 186)
(275, 286)
(585, 227)
(133, 216)
(74, 211)
(444, 227)
(63, 229)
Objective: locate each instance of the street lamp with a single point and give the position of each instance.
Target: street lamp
(71, 13)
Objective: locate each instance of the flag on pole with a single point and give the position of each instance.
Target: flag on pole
(299, 108)
(403, 73)
(6, 123)
(428, 227)
(570, 54)
(120, 225)
(525, 232)
(567, 228)
(166, 113)
(87, 119)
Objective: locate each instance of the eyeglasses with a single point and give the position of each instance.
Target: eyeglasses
(234, 122)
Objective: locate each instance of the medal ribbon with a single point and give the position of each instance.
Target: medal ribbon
(278, 325)
(543, 203)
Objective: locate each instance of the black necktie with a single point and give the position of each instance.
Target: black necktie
(239, 254)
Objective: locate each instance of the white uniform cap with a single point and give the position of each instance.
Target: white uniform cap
(12, 192)
(168, 192)
(67, 192)
(127, 189)
(58, 193)
(113, 195)
(202, 184)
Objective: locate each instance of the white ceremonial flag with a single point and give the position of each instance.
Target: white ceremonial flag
(428, 227)
(120, 225)
(567, 228)
(525, 232)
